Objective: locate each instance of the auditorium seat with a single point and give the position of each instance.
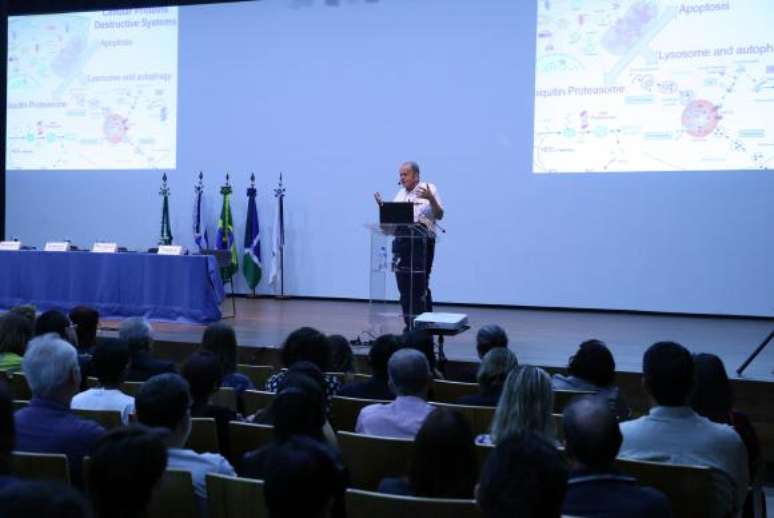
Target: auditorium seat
(204, 435)
(18, 404)
(344, 411)
(248, 436)
(174, 497)
(233, 497)
(689, 488)
(479, 417)
(131, 388)
(256, 400)
(371, 458)
(258, 374)
(225, 397)
(40, 466)
(368, 504)
(450, 391)
(562, 398)
(17, 384)
(108, 419)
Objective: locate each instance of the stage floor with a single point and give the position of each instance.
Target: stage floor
(541, 337)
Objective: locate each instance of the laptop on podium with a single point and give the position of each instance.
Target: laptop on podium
(396, 213)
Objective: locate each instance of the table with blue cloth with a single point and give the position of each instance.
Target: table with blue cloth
(162, 287)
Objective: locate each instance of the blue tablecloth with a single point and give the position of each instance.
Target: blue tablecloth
(179, 288)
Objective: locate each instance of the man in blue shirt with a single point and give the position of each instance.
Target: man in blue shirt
(47, 425)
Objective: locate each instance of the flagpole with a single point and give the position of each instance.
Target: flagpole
(279, 192)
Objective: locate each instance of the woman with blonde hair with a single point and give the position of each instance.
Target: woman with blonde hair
(526, 403)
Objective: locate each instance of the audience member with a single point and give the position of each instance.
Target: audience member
(54, 321)
(126, 467)
(526, 403)
(42, 499)
(422, 341)
(110, 363)
(592, 369)
(203, 374)
(712, 398)
(494, 369)
(595, 489)
(15, 332)
(303, 480)
(409, 376)
(524, 476)
(86, 320)
(672, 432)
(136, 332)
(27, 311)
(164, 401)
(220, 339)
(306, 344)
(7, 438)
(341, 354)
(47, 425)
(489, 337)
(377, 386)
(444, 460)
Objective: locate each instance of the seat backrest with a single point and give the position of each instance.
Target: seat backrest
(108, 419)
(131, 388)
(370, 458)
(204, 435)
(255, 400)
(18, 404)
(690, 489)
(225, 397)
(258, 374)
(344, 411)
(562, 398)
(367, 504)
(445, 391)
(174, 497)
(41, 466)
(233, 497)
(482, 453)
(248, 436)
(17, 384)
(479, 417)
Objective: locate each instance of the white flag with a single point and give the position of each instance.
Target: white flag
(201, 237)
(277, 242)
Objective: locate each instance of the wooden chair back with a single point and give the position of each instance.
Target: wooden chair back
(367, 504)
(562, 398)
(479, 417)
(41, 466)
(255, 400)
(690, 489)
(233, 497)
(258, 374)
(445, 391)
(175, 497)
(17, 385)
(225, 397)
(204, 435)
(108, 419)
(18, 404)
(344, 411)
(248, 436)
(370, 458)
(131, 388)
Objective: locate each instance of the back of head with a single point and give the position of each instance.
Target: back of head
(667, 368)
(301, 479)
(306, 344)
(380, 353)
(7, 431)
(591, 432)
(126, 465)
(341, 354)
(87, 320)
(711, 396)
(489, 337)
(299, 409)
(495, 367)
(409, 372)
(526, 404)
(163, 401)
(15, 332)
(203, 373)
(422, 341)
(220, 339)
(525, 476)
(593, 362)
(136, 332)
(52, 321)
(50, 364)
(110, 361)
(27, 311)
(444, 462)
(42, 499)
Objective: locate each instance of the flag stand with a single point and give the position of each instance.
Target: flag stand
(279, 193)
(165, 238)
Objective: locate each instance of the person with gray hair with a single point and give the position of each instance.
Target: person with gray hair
(137, 333)
(494, 369)
(409, 379)
(47, 425)
(526, 403)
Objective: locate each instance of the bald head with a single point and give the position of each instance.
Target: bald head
(591, 432)
(409, 372)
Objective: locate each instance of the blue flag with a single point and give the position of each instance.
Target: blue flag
(251, 261)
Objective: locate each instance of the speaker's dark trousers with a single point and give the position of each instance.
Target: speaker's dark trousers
(414, 283)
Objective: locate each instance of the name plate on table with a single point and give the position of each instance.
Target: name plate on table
(105, 248)
(10, 246)
(57, 246)
(171, 250)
